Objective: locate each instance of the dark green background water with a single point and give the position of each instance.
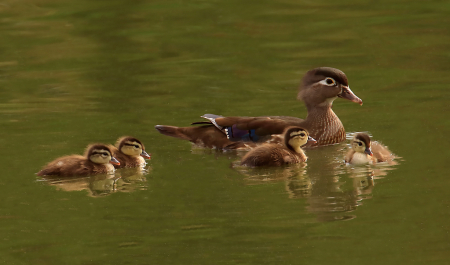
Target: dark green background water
(77, 72)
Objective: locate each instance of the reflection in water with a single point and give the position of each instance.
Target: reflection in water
(332, 198)
(332, 189)
(267, 174)
(124, 180)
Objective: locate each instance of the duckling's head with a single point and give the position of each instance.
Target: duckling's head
(100, 154)
(131, 147)
(321, 86)
(295, 137)
(361, 143)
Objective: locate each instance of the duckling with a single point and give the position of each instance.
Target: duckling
(97, 160)
(277, 155)
(130, 152)
(363, 151)
(319, 88)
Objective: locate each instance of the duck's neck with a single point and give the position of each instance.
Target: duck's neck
(300, 153)
(109, 168)
(360, 158)
(324, 125)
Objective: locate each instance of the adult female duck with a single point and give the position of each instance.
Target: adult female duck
(319, 88)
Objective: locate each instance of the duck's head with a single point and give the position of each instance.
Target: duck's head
(131, 147)
(321, 86)
(295, 137)
(361, 143)
(100, 154)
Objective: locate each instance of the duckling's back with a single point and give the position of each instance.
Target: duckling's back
(72, 165)
(381, 152)
(269, 155)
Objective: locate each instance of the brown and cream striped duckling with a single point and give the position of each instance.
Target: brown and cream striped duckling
(363, 151)
(130, 152)
(96, 160)
(277, 155)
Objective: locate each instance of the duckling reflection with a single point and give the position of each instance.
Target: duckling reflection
(128, 180)
(133, 179)
(299, 186)
(256, 176)
(331, 190)
(96, 185)
(337, 189)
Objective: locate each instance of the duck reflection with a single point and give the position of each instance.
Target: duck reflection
(336, 196)
(332, 189)
(125, 180)
(269, 174)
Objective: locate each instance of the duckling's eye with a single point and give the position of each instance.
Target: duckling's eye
(330, 81)
(360, 144)
(302, 135)
(136, 146)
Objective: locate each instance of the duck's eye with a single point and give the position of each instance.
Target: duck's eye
(104, 155)
(136, 146)
(360, 144)
(302, 135)
(330, 81)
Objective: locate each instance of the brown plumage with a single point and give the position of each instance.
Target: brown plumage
(277, 155)
(96, 160)
(318, 89)
(130, 152)
(364, 151)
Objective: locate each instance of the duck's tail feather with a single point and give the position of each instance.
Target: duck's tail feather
(172, 131)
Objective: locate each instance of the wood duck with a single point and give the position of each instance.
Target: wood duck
(130, 152)
(363, 151)
(319, 88)
(277, 155)
(97, 160)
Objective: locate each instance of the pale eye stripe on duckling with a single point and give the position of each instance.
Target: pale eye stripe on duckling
(293, 134)
(100, 153)
(133, 144)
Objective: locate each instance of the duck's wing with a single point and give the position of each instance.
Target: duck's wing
(230, 132)
(251, 128)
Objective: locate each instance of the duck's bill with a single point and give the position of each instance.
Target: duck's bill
(145, 155)
(114, 161)
(368, 151)
(310, 139)
(347, 93)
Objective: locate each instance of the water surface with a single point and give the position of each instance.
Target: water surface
(78, 72)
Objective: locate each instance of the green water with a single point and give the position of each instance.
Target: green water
(78, 72)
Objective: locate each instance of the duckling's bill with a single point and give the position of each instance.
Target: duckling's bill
(368, 151)
(146, 155)
(114, 161)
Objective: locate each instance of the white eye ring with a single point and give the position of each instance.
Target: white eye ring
(328, 82)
